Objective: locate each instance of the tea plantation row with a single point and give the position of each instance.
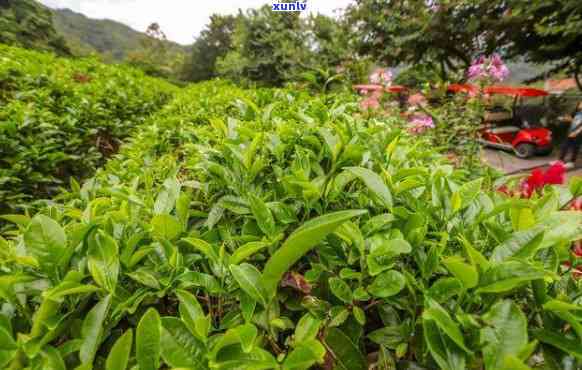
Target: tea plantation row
(269, 229)
(61, 118)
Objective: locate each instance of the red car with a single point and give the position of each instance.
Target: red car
(511, 130)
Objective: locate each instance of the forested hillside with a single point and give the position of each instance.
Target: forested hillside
(29, 24)
(114, 40)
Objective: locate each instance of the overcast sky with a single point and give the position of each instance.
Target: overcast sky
(181, 20)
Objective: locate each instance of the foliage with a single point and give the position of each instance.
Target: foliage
(268, 229)
(154, 56)
(267, 47)
(272, 48)
(448, 34)
(213, 43)
(28, 24)
(61, 118)
(547, 31)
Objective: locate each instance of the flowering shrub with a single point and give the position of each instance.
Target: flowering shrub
(491, 69)
(538, 179)
(381, 76)
(419, 123)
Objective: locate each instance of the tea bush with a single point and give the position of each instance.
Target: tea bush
(61, 118)
(267, 229)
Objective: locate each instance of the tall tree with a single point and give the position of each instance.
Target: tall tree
(268, 47)
(547, 31)
(213, 43)
(447, 34)
(154, 56)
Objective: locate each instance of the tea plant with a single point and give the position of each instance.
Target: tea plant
(267, 229)
(61, 118)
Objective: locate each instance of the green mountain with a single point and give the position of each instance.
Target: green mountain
(29, 24)
(109, 38)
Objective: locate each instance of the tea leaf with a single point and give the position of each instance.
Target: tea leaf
(148, 340)
(300, 242)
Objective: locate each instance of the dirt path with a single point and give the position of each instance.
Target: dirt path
(509, 163)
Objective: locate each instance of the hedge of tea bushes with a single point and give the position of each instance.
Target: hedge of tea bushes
(61, 118)
(268, 229)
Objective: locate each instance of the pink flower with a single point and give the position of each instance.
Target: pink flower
(420, 123)
(381, 76)
(497, 68)
(488, 68)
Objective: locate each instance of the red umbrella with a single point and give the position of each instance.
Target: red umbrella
(395, 88)
(515, 91)
(466, 88)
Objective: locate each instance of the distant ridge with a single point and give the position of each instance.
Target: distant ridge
(113, 40)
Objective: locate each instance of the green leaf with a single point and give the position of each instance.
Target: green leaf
(92, 330)
(466, 273)
(306, 329)
(346, 354)
(119, 356)
(375, 183)
(148, 337)
(304, 356)
(47, 242)
(250, 281)
(103, 260)
(299, 243)
(445, 323)
(561, 306)
(522, 244)
(469, 191)
(339, 315)
(445, 288)
(214, 216)
(202, 280)
(192, 315)
(207, 249)
(359, 315)
(505, 335)
(383, 252)
(561, 227)
(387, 284)
(390, 336)
(52, 359)
(473, 255)
(443, 350)
(341, 289)
(20, 220)
(558, 340)
(7, 343)
(179, 348)
(262, 214)
(507, 276)
(245, 251)
(248, 334)
(166, 199)
(166, 227)
(522, 218)
(377, 223)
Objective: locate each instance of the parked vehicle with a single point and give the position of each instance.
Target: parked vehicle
(512, 130)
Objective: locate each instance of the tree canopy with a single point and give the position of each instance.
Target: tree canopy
(28, 24)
